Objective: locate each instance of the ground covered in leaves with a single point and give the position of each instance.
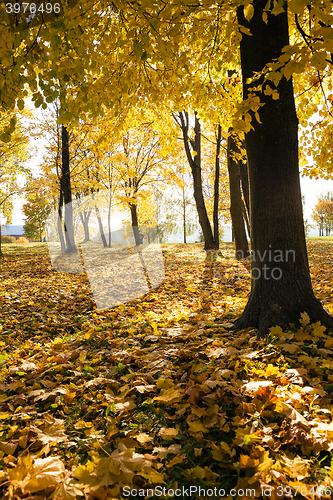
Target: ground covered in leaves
(157, 396)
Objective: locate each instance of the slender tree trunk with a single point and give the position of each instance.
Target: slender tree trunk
(184, 217)
(59, 220)
(110, 206)
(236, 203)
(244, 176)
(217, 187)
(135, 224)
(84, 216)
(109, 219)
(281, 286)
(195, 164)
(67, 192)
(100, 226)
(246, 218)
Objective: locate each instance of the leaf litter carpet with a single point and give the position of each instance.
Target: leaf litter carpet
(159, 392)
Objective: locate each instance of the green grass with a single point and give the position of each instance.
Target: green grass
(12, 248)
(320, 238)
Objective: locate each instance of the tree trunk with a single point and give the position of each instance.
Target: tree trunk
(85, 222)
(135, 224)
(67, 192)
(244, 176)
(110, 206)
(184, 216)
(100, 226)
(236, 203)
(246, 218)
(217, 187)
(281, 286)
(59, 220)
(195, 164)
(109, 219)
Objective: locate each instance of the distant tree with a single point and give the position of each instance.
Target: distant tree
(13, 155)
(36, 210)
(182, 204)
(322, 214)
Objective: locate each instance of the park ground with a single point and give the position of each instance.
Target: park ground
(159, 392)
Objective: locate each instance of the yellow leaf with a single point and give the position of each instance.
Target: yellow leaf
(256, 114)
(164, 383)
(168, 396)
(178, 459)
(246, 462)
(329, 343)
(295, 467)
(7, 447)
(291, 348)
(83, 356)
(276, 331)
(265, 463)
(305, 320)
(143, 438)
(197, 426)
(197, 472)
(271, 370)
(69, 396)
(248, 11)
(23, 440)
(297, 6)
(290, 412)
(167, 433)
(154, 327)
(218, 454)
(81, 424)
(38, 475)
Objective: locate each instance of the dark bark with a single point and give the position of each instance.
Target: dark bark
(184, 216)
(246, 218)
(236, 203)
(195, 165)
(135, 224)
(277, 297)
(84, 216)
(110, 206)
(217, 187)
(67, 192)
(244, 176)
(109, 219)
(59, 220)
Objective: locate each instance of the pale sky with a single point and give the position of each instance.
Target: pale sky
(311, 188)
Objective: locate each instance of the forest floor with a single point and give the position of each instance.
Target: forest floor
(158, 394)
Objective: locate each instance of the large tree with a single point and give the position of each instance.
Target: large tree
(281, 286)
